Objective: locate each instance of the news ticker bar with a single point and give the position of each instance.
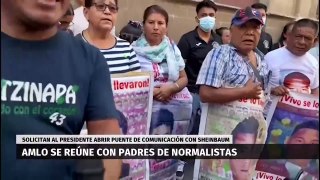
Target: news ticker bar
(167, 151)
(123, 139)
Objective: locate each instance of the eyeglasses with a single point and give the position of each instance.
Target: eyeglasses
(102, 7)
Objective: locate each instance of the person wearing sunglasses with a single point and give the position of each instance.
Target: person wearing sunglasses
(102, 16)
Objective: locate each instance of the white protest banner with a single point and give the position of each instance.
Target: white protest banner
(133, 98)
(171, 118)
(293, 120)
(243, 119)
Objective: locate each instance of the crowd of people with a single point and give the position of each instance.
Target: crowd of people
(49, 44)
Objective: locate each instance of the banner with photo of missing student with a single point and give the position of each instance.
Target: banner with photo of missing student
(292, 119)
(244, 120)
(171, 118)
(133, 98)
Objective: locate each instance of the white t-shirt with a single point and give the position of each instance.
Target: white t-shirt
(298, 73)
(315, 52)
(80, 22)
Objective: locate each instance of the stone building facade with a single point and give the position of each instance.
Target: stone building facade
(182, 13)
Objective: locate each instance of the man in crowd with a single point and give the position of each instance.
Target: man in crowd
(235, 71)
(293, 63)
(46, 68)
(194, 47)
(265, 42)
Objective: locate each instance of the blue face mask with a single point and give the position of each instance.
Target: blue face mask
(207, 23)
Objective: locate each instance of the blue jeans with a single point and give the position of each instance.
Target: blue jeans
(196, 114)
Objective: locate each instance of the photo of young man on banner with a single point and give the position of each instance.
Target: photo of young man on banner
(246, 127)
(293, 109)
(168, 119)
(293, 120)
(246, 132)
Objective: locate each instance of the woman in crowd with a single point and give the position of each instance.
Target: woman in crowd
(282, 41)
(118, 53)
(157, 53)
(102, 16)
(161, 56)
(225, 35)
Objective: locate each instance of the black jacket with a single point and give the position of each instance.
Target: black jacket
(265, 43)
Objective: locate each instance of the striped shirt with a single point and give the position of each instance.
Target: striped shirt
(121, 58)
(224, 67)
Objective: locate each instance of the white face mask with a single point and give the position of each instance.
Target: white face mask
(207, 23)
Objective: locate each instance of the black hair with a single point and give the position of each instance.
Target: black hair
(131, 32)
(155, 9)
(123, 123)
(208, 4)
(285, 30)
(305, 22)
(296, 75)
(70, 12)
(309, 125)
(259, 6)
(248, 125)
(220, 30)
(88, 3)
(162, 117)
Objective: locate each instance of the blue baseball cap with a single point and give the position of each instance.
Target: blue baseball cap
(244, 15)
